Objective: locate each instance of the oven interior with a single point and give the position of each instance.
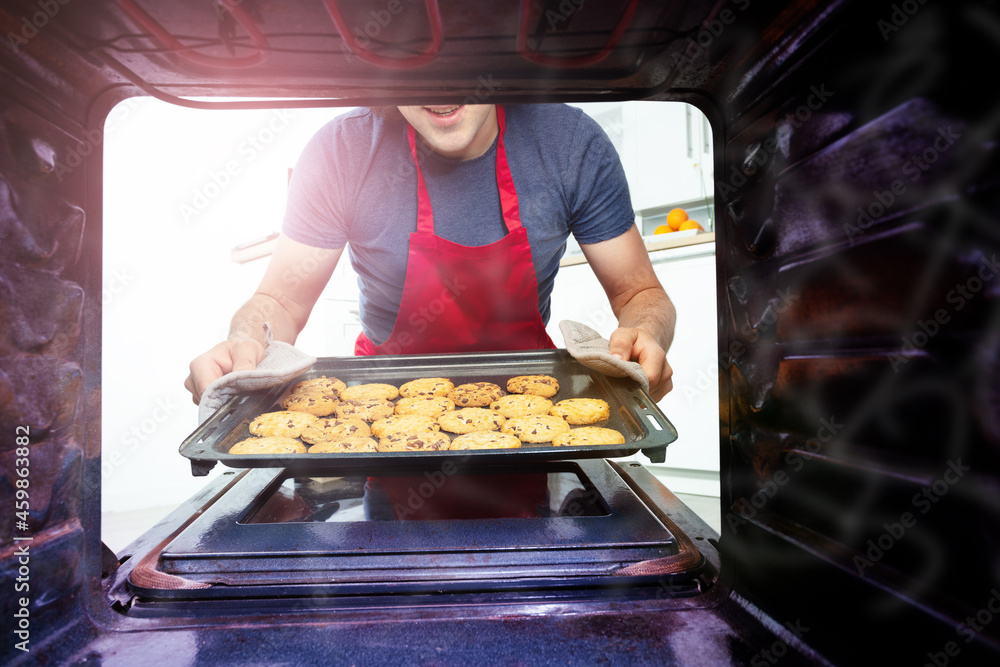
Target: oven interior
(859, 344)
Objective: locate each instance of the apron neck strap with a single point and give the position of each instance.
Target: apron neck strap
(505, 182)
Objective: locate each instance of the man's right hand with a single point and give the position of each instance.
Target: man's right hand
(236, 354)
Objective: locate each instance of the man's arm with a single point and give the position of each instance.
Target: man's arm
(646, 316)
(294, 279)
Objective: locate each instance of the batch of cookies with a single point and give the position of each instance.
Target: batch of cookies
(324, 415)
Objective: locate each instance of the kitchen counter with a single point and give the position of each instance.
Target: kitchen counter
(659, 242)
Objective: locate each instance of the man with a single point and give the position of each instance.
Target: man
(473, 272)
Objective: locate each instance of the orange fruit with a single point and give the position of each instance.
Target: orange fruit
(663, 229)
(675, 217)
(689, 224)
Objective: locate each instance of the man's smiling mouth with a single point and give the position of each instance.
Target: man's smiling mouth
(446, 111)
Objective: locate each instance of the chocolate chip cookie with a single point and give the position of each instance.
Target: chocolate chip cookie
(283, 423)
(424, 404)
(414, 442)
(327, 429)
(369, 392)
(486, 440)
(469, 420)
(268, 445)
(367, 410)
(323, 384)
(426, 387)
(538, 385)
(589, 435)
(475, 394)
(536, 428)
(400, 423)
(345, 446)
(521, 405)
(581, 410)
(314, 402)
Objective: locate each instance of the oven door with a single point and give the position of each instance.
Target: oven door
(278, 535)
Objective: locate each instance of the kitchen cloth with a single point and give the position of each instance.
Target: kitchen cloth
(592, 350)
(281, 363)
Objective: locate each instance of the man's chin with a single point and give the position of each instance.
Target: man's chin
(451, 130)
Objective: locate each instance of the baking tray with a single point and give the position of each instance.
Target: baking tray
(633, 412)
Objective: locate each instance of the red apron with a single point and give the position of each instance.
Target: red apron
(467, 299)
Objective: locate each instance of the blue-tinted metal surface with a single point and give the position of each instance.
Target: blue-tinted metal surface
(633, 625)
(388, 556)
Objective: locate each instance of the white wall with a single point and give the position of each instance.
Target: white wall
(181, 188)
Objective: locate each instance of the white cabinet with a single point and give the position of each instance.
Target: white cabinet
(688, 275)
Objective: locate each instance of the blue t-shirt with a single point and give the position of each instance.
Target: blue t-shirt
(355, 184)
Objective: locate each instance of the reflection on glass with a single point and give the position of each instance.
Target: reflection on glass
(432, 495)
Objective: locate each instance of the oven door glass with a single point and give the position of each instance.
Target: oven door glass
(276, 533)
(429, 496)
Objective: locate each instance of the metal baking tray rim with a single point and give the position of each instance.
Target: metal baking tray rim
(632, 408)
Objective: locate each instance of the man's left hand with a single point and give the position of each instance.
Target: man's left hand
(637, 345)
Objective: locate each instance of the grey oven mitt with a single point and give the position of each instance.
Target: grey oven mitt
(281, 363)
(591, 349)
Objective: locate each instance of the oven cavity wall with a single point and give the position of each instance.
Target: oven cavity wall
(50, 291)
(860, 342)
